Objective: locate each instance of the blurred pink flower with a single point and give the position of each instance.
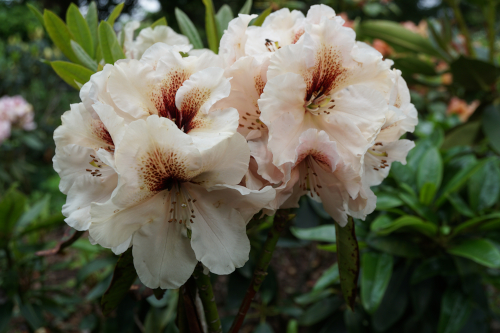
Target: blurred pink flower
(461, 108)
(348, 23)
(420, 29)
(15, 112)
(382, 47)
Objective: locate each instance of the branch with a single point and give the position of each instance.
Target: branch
(208, 299)
(280, 220)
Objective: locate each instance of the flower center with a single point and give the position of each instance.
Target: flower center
(320, 103)
(181, 205)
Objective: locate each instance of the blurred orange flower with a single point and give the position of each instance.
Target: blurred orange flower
(461, 108)
(382, 47)
(348, 23)
(420, 29)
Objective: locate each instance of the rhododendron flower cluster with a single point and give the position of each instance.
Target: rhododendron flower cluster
(171, 152)
(15, 112)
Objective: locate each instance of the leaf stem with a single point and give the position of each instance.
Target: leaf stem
(280, 220)
(208, 299)
(463, 27)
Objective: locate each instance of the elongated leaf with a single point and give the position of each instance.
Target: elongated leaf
(161, 21)
(481, 251)
(313, 296)
(110, 48)
(348, 260)
(430, 169)
(319, 311)
(84, 58)
(472, 223)
(474, 74)
(455, 310)
(410, 65)
(79, 29)
(260, 19)
(59, 33)
(458, 181)
(394, 245)
(38, 15)
(491, 124)
(211, 26)
(324, 233)
(247, 7)
(32, 213)
(375, 276)
(115, 13)
(123, 278)
(409, 222)
(484, 186)
(329, 277)
(387, 201)
(72, 72)
(460, 205)
(393, 33)
(94, 266)
(11, 210)
(223, 16)
(92, 22)
(5, 314)
(188, 29)
(427, 193)
(463, 135)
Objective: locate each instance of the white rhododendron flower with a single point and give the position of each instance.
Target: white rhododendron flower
(84, 145)
(134, 49)
(177, 204)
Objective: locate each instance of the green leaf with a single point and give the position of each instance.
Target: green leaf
(161, 21)
(319, 311)
(474, 74)
(110, 48)
(39, 17)
(394, 34)
(79, 29)
(460, 205)
(463, 135)
(72, 73)
(323, 233)
(491, 124)
(329, 277)
(467, 225)
(292, 326)
(481, 251)
(455, 310)
(92, 267)
(59, 33)
(124, 276)
(260, 19)
(394, 245)
(414, 65)
(92, 22)
(223, 16)
(427, 193)
(458, 181)
(84, 58)
(393, 303)
(6, 310)
(33, 212)
(430, 169)
(211, 26)
(375, 276)
(188, 29)
(484, 186)
(247, 7)
(11, 209)
(313, 296)
(409, 222)
(263, 328)
(387, 201)
(348, 261)
(32, 314)
(115, 13)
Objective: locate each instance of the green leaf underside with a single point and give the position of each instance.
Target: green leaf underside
(124, 276)
(375, 277)
(79, 29)
(188, 29)
(60, 34)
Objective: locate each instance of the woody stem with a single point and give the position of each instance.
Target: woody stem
(280, 220)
